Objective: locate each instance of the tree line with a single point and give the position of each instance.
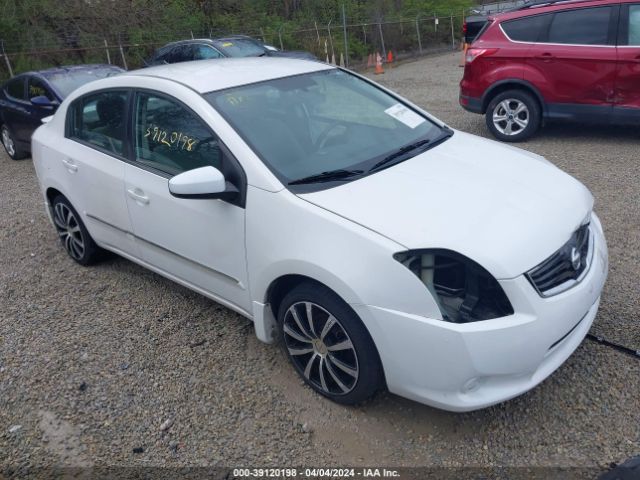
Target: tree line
(77, 28)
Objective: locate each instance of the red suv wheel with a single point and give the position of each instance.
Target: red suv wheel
(513, 116)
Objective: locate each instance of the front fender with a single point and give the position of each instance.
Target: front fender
(287, 235)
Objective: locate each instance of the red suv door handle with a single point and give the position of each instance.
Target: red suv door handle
(547, 57)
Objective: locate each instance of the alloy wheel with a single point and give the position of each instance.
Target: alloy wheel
(321, 348)
(7, 141)
(69, 230)
(511, 116)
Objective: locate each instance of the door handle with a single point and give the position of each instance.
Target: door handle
(138, 195)
(71, 167)
(545, 57)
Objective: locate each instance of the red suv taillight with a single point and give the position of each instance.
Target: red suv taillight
(474, 53)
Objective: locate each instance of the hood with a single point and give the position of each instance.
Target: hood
(501, 206)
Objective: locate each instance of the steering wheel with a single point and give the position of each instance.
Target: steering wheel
(324, 136)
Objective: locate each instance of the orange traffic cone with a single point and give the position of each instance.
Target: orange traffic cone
(465, 47)
(370, 61)
(389, 58)
(379, 68)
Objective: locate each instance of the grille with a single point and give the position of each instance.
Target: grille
(564, 268)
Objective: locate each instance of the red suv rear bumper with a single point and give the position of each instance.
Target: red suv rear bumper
(471, 104)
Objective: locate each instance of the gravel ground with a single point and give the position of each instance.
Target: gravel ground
(96, 362)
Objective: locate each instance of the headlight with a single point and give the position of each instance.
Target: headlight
(464, 291)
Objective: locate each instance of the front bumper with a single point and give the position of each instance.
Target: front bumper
(463, 367)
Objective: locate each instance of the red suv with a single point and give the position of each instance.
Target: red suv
(557, 60)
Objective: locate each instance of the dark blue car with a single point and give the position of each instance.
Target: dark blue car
(29, 97)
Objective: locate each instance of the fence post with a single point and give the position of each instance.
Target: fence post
(435, 22)
(333, 53)
(6, 59)
(280, 36)
(418, 32)
(453, 35)
(346, 40)
(124, 60)
(384, 50)
(106, 49)
(317, 31)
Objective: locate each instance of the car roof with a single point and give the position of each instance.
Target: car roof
(186, 41)
(209, 75)
(541, 6)
(73, 69)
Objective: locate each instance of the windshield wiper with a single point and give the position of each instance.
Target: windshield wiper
(327, 176)
(399, 153)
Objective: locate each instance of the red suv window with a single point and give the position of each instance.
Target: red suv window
(528, 29)
(586, 26)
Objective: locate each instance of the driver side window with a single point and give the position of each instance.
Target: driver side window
(171, 138)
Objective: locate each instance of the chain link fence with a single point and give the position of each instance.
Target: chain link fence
(351, 42)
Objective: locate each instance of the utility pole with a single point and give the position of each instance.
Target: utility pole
(346, 41)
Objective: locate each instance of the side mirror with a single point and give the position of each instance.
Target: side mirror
(44, 102)
(202, 183)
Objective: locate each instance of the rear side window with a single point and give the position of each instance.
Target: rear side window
(100, 120)
(528, 29)
(586, 26)
(634, 25)
(171, 138)
(470, 37)
(15, 88)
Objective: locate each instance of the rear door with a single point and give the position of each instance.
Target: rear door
(627, 104)
(92, 167)
(574, 63)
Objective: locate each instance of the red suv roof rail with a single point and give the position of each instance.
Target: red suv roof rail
(544, 3)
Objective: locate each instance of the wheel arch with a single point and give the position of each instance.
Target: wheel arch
(512, 84)
(279, 287)
(52, 193)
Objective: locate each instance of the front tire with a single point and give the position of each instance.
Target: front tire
(9, 144)
(73, 234)
(328, 345)
(513, 116)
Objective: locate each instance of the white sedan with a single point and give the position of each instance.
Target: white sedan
(380, 247)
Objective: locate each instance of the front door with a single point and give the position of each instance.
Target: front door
(37, 88)
(200, 242)
(17, 110)
(576, 60)
(627, 107)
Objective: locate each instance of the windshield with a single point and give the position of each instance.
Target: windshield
(66, 82)
(240, 47)
(322, 122)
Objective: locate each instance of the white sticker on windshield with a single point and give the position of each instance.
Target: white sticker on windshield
(401, 113)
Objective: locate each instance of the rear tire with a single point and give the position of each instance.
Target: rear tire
(330, 348)
(9, 144)
(513, 116)
(73, 234)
